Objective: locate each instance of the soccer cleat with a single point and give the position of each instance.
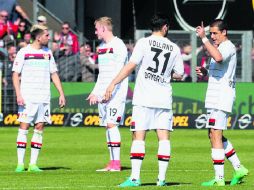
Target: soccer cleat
(214, 182)
(113, 166)
(130, 183)
(239, 175)
(34, 168)
(161, 183)
(20, 168)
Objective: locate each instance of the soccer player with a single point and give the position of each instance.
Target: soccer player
(112, 56)
(219, 100)
(159, 60)
(32, 69)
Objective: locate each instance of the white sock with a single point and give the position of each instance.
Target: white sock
(36, 144)
(21, 145)
(218, 163)
(137, 156)
(163, 158)
(231, 155)
(114, 142)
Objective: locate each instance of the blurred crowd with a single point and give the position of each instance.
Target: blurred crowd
(76, 62)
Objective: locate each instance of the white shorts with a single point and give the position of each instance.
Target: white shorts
(34, 113)
(216, 119)
(144, 118)
(111, 112)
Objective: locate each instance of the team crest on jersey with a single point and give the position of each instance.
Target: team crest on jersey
(46, 56)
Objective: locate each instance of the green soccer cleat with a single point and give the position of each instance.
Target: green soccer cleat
(161, 183)
(34, 168)
(130, 183)
(20, 168)
(239, 175)
(214, 182)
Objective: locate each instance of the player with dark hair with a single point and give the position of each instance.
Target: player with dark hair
(159, 60)
(219, 100)
(32, 68)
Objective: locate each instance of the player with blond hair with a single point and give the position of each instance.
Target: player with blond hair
(112, 56)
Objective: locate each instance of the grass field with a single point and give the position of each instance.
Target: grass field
(70, 156)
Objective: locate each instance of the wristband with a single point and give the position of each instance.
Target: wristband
(204, 39)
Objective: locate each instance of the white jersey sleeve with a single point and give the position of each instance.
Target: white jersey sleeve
(19, 61)
(138, 52)
(178, 66)
(53, 67)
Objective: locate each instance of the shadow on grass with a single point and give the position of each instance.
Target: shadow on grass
(167, 184)
(125, 168)
(55, 168)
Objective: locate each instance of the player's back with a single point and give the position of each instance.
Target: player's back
(158, 56)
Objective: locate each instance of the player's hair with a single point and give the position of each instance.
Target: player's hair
(105, 21)
(37, 30)
(158, 21)
(220, 23)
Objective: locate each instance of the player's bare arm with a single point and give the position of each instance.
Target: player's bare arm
(16, 84)
(57, 83)
(213, 51)
(126, 71)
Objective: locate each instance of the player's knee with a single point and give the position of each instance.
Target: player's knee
(111, 125)
(39, 126)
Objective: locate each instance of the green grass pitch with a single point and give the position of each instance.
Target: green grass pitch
(70, 156)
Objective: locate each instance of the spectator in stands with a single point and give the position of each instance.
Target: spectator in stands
(13, 9)
(89, 69)
(7, 67)
(21, 44)
(27, 37)
(22, 29)
(187, 56)
(205, 60)
(55, 49)
(8, 95)
(8, 30)
(68, 41)
(42, 20)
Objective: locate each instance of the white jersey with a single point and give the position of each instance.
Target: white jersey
(35, 67)
(112, 56)
(221, 85)
(158, 57)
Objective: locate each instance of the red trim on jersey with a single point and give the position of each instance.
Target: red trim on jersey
(230, 153)
(37, 56)
(137, 154)
(119, 118)
(212, 120)
(133, 123)
(105, 50)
